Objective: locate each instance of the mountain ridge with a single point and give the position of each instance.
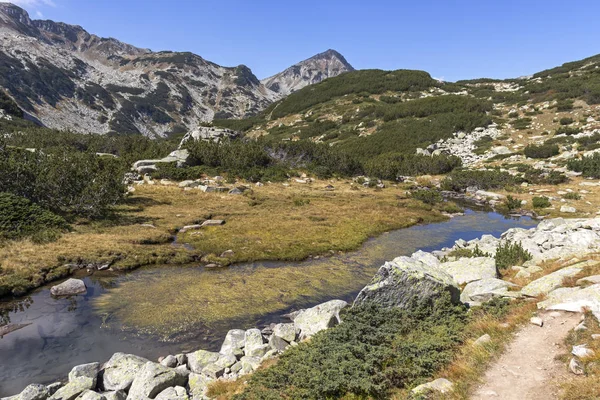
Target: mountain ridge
(67, 78)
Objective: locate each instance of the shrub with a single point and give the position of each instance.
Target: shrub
(541, 202)
(567, 130)
(542, 151)
(566, 121)
(427, 196)
(588, 166)
(521, 123)
(512, 203)
(21, 218)
(509, 254)
(468, 253)
(572, 196)
(374, 351)
(392, 166)
(460, 180)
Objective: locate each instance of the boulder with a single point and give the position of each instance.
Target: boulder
(426, 258)
(249, 364)
(91, 395)
(482, 340)
(173, 393)
(465, 270)
(440, 385)
(550, 282)
(406, 282)
(69, 287)
(576, 366)
(318, 318)
(198, 385)
(152, 379)
(589, 280)
(286, 332)
(200, 359)
(115, 395)
(169, 361)
(254, 343)
(234, 342)
(575, 300)
(277, 343)
(119, 371)
(32, 392)
(485, 289)
(213, 222)
(568, 209)
(88, 371)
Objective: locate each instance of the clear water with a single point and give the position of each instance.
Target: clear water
(67, 332)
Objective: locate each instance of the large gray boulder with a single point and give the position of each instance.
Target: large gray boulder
(209, 133)
(465, 270)
(318, 318)
(119, 371)
(91, 395)
(484, 290)
(32, 392)
(574, 300)
(69, 287)
(286, 332)
(198, 385)
(81, 378)
(406, 282)
(152, 379)
(550, 282)
(173, 393)
(234, 342)
(198, 360)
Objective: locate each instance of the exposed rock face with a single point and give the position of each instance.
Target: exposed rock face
(313, 70)
(408, 282)
(68, 78)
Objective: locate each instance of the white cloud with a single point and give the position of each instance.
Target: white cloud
(39, 14)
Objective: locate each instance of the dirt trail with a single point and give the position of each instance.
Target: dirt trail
(528, 370)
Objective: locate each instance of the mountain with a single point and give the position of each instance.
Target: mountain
(66, 78)
(313, 70)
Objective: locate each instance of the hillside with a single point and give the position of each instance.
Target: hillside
(67, 78)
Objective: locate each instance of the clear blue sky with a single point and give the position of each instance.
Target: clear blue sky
(450, 39)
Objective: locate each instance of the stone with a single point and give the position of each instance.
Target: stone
(576, 366)
(198, 385)
(152, 379)
(537, 321)
(501, 150)
(249, 364)
(173, 393)
(53, 387)
(582, 351)
(286, 332)
(568, 209)
(482, 340)
(213, 222)
(91, 395)
(485, 289)
(575, 300)
(181, 359)
(200, 359)
(550, 282)
(254, 343)
(73, 389)
(169, 361)
(188, 183)
(227, 254)
(406, 282)
(426, 258)
(87, 371)
(119, 371)
(32, 392)
(234, 342)
(318, 318)
(594, 279)
(277, 343)
(115, 395)
(440, 385)
(466, 270)
(69, 287)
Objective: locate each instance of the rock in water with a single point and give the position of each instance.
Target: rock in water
(406, 282)
(318, 318)
(69, 287)
(152, 379)
(120, 370)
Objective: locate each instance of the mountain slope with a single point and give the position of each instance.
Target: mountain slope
(313, 70)
(67, 78)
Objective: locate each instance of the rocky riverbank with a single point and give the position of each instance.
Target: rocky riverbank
(403, 282)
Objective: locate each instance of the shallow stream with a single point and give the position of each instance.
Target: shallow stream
(167, 310)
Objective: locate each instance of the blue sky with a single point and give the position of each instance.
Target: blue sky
(451, 39)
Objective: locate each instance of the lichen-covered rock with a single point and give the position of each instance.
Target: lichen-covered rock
(234, 342)
(198, 385)
(89, 371)
(254, 342)
(286, 332)
(119, 371)
(200, 359)
(277, 343)
(152, 379)
(173, 393)
(73, 389)
(440, 385)
(32, 392)
(465, 270)
(69, 287)
(484, 290)
(426, 258)
(91, 395)
(550, 282)
(318, 318)
(249, 364)
(169, 361)
(407, 282)
(115, 395)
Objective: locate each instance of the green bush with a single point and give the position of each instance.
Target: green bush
(542, 151)
(468, 253)
(460, 180)
(512, 203)
(521, 123)
(572, 196)
(588, 166)
(392, 166)
(567, 130)
(541, 202)
(427, 196)
(510, 254)
(21, 218)
(372, 352)
(566, 121)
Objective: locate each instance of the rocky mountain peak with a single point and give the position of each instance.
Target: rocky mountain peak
(324, 65)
